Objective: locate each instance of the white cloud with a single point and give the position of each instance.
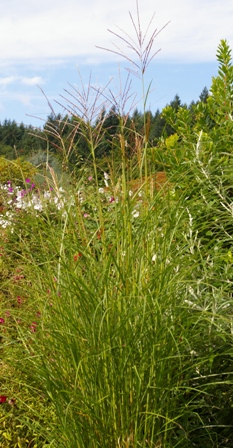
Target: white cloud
(32, 81)
(57, 29)
(6, 81)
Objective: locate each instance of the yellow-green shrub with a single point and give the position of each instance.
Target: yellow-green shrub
(16, 171)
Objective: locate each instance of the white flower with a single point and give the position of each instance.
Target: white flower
(4, 223)
(135, 213)
(38, 206)
(154, 257)
(47, 195)
(101, 190)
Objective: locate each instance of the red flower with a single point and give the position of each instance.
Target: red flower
(2, 321)
(2, 398)
(77, 256)
(19, 300)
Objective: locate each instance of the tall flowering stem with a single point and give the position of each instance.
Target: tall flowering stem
(143, 48)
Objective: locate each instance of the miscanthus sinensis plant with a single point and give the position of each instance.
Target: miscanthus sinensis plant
(133, 347)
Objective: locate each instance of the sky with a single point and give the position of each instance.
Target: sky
(49, 49)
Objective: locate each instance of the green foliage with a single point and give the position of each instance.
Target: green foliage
(7, 151)
(220, 102)
(117, 305)
(15, 171)
(213, 114)
(18, 140)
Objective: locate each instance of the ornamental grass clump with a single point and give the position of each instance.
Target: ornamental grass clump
(136, 328)
(125, 298)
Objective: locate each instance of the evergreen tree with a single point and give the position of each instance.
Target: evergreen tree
(204, 95)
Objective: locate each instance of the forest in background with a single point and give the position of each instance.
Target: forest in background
(32, 144)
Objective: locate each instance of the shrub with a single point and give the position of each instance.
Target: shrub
(15, 171)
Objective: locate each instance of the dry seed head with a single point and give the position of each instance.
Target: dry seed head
(142, 45)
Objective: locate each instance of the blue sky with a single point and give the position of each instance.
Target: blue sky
(46, 44)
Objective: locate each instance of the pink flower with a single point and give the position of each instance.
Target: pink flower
(19, 300)
(28, 181)
(2, 321)
(112, 199)
(90, 178)
(18, 277)
(33, 327)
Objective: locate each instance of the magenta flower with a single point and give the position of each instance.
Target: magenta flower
(28, 181)
(22, 193)
(2, 321)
